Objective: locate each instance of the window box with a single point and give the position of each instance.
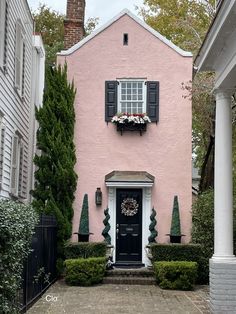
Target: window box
(131, 127)
(131, 122)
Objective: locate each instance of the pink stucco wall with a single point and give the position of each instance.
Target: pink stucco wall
(164, 150)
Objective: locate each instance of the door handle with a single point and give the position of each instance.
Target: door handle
(117, 231)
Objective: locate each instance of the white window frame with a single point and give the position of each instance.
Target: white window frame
(2, 145)
(19, 57)
(15, 164)
(130, 80)
(2, 31)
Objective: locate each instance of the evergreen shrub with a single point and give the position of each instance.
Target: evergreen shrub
(55, 177)
(182, 252)
(17, 223)
(203, 228)
(203, 222)
(203, 225)
(85, 271)
(176, 275)
(85, 249)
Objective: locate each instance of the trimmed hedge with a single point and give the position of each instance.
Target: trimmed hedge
(176, 275)
(85, 249)
(183, 252)
(85, 271)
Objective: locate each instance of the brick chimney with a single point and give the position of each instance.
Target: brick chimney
(74, 22)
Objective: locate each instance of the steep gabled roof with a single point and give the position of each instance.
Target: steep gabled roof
(136, 19)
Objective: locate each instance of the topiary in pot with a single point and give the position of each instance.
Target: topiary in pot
(105, 232)
(153, 235)
(175, 230)
(83, 233)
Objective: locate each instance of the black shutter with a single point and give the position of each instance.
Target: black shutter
(153, 100)
(110, 99)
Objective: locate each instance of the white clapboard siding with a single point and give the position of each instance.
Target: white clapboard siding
(14, 108)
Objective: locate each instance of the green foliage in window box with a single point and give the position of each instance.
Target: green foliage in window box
(85, 271)
(176, 275)
(182, 252)
(17, 223)
(85, 249)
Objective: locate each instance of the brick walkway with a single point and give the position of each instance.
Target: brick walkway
(120, 299)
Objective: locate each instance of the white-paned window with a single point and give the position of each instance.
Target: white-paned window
(19, 58)
(3, 31)
(17, 166)
(2, 142)
(132, 96)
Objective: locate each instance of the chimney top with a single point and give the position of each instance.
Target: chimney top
(74, 22)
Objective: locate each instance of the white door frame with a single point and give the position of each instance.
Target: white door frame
(146, 189)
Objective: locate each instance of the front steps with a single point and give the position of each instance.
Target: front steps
(138, 276)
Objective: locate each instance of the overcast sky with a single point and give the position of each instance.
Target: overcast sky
(104, 9)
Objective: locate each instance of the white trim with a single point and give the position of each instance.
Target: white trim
(19, 56)
(144, 95)
(113, 20)
(130, 184)
(212, 37)
(146, 212)
(2, 30)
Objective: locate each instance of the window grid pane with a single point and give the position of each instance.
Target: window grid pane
(132, 97)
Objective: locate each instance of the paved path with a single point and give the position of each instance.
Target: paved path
(120, 299)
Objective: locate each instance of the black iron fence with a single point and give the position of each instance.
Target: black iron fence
(40, 267)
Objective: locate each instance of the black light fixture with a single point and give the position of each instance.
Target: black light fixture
(98, 196)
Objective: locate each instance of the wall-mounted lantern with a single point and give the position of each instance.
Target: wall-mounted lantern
(98, 196)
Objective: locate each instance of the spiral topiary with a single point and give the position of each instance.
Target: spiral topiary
(154, 233)
(105, 231)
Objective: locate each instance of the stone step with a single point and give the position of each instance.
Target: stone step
(133, 280)
(139, 272)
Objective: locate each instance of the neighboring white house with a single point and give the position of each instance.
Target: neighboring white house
(218, 54)
(21, 88)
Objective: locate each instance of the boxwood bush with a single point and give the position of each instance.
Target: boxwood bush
(17, 223)
(85, 249)
(182, 252)
(178, 275)
(85, 271)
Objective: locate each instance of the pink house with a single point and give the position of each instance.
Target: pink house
(126, 66)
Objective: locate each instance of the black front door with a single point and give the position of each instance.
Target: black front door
(128, 225)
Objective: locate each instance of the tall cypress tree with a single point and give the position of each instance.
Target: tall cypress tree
(55, 177)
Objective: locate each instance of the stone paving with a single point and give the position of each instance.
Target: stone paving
(120, 299)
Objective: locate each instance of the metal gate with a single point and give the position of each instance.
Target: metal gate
(40, 267)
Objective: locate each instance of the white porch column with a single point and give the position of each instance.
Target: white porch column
(223, 262)
(223, 240)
